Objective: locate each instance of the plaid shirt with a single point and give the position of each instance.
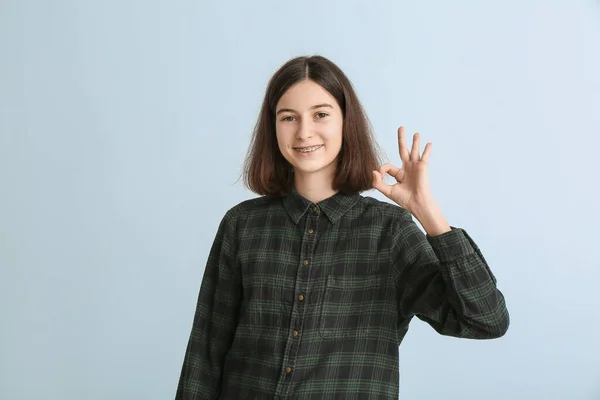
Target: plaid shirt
(311, 301)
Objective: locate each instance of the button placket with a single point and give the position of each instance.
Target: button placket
(298, 310)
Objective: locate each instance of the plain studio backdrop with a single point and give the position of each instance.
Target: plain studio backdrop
(123, 126)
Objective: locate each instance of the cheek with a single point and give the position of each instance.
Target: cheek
(285, 140)
(333, 134)
(281, 136)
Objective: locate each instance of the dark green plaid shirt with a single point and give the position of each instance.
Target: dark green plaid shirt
(311, 301)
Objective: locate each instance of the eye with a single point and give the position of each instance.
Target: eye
(289, 118)
(321, 115)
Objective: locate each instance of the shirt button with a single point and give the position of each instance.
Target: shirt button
(288, 370)
(295, 333)
(301, 298)
(305, 262)
(314, 209)
(310, 231)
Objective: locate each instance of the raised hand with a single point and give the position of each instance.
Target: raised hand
(411, 190)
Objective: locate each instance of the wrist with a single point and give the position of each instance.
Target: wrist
(431, 218)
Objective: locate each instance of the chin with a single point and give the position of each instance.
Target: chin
(306, 168)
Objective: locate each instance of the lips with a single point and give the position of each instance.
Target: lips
(308, 149)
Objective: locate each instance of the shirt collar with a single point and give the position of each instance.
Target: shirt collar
(333, 207)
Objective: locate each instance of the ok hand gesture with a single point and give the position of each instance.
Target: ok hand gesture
(411, 190)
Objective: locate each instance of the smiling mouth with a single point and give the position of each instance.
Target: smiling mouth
(308, 149)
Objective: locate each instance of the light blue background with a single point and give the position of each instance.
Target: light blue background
(123, 125)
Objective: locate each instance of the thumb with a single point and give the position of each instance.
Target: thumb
(379, 184)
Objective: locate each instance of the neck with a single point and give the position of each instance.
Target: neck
(313, 187)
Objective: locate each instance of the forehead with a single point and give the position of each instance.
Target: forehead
(304, 95)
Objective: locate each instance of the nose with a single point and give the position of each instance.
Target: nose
(305, 131)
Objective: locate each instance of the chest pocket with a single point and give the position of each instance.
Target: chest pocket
(348, 306)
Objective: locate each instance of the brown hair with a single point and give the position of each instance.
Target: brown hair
(267, 172)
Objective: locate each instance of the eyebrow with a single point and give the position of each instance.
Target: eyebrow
(312, 108)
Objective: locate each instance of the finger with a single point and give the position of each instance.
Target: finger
(388, 168)
(393, 170)
(380, 185)
(427, 152)
(414, 154)
(402, 149)
(400, 175)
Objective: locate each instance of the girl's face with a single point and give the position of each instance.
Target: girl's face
(309, 129)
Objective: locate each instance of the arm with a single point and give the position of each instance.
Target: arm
(445, 281)
(214, 321)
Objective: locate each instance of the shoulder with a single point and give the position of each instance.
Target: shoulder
(251, 207)
(385, 209)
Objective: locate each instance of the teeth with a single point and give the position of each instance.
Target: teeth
(308, 149)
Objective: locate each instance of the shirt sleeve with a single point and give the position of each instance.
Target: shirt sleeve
(445, 281)
(214, 321)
